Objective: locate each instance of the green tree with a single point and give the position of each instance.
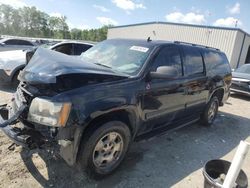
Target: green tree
(31, 22)
(76, 34)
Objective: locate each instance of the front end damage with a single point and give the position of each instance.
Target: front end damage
(14, 123)
(43, 110)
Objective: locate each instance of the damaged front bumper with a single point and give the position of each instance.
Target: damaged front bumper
(17, 132)
(13, 122)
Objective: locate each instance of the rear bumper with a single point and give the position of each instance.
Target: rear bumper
(4, 78)
(240, 91)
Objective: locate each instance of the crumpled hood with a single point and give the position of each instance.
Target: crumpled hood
(241, 75)
(8, 58)
(46, 65)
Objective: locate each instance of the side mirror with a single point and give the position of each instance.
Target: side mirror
(164, 72)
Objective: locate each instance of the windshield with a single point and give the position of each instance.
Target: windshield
(243, 69)
(120, 55)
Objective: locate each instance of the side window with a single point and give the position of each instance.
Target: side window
(168, 56)
(65, 49)
(216, 62)
(26, 43)
(79, 48)
(193, 63)
(12, 42)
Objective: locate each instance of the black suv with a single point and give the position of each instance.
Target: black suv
(119, 91)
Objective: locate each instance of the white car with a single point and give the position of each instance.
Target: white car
(7, 44)
(11, 62)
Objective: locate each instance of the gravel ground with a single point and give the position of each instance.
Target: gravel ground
(175, 159)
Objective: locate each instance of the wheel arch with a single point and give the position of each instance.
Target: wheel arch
(219, 92)
(124, 115)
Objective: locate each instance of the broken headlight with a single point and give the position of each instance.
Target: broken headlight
(46, 112)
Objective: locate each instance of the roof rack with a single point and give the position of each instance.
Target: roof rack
(198, 45)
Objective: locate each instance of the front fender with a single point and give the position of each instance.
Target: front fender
(92, 110)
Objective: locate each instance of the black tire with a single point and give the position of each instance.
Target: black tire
(88, 149)
(207, 118)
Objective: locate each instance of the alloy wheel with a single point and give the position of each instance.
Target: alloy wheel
(212, 111)
(108, 150)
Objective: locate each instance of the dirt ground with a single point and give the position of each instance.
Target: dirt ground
(175, 159)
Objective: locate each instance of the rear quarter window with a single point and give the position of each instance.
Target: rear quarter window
(216, 62)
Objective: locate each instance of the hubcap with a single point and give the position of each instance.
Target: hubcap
(212, 111)
(108, 150)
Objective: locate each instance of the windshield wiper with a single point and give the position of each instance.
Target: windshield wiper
(103, 65)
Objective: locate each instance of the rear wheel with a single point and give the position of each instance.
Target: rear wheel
(105, 149)
(210, 112)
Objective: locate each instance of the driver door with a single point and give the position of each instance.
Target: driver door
(164, 100)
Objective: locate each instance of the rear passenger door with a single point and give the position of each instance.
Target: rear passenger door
(196, 88)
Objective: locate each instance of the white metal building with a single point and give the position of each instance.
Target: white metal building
(233, 41)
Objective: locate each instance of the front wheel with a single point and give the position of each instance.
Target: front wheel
(105, 149)
(210, 112)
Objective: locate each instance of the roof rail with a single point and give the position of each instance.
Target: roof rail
(198, 45)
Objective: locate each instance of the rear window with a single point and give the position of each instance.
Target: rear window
(193, 63)
(216, 62)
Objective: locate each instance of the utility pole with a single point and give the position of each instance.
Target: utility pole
(236, 23)
(208, 30)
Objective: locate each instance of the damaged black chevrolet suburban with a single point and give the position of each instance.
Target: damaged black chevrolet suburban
(119, 91)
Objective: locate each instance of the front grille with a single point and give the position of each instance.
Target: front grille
(22, 97)
(24, 89)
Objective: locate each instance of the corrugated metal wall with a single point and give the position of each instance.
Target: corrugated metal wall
(245, 47)
(223, 39)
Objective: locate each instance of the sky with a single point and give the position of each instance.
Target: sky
(87, 14)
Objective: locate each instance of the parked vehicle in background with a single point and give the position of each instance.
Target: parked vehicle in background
(69, 48)
(241, 80)
(119, 91)
(7, 44)
(11, 62)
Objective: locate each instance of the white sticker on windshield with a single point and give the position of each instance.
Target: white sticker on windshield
(139, 49)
